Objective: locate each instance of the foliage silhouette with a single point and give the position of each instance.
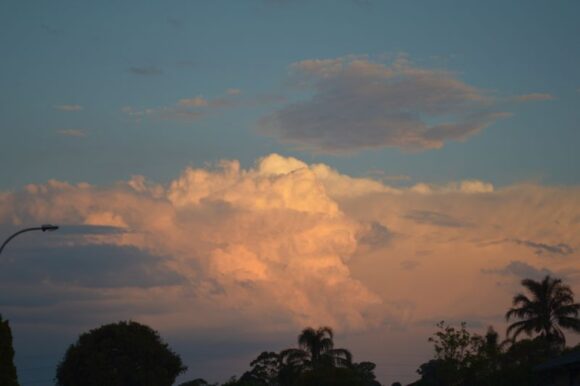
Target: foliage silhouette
(315, 362)
(550, 309)
(316, 349)
(8, 376)
(466, 359)
(197, 382)
(119, 354)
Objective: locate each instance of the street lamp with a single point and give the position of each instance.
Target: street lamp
(44, 228)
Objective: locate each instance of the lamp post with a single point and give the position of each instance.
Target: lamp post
(44, 228)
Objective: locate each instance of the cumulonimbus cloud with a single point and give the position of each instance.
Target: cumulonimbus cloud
(355, 104)
(282, 244)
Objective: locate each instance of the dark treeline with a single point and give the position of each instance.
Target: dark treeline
(132, 354)
(463, 358)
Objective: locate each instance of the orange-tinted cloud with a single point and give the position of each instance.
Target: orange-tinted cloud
(286, 244)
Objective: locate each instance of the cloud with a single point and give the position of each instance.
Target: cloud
(68, 108)
(384, 177)
(89, 229)
(89, 266)
(409, 265)
(50, 30)
(193, 102)
(256, 240)
(233, 91)
(358, 104)
(186, 109)
(465, 186)
(521, 270)
(269, 249)
(145, 70)
(561, 249)
(532, 97)
(433, 218)
(72, 132)
(374, 235)
(175, 22)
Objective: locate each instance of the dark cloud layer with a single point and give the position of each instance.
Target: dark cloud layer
(92, 266)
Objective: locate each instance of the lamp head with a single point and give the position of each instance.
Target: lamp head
(48, 227)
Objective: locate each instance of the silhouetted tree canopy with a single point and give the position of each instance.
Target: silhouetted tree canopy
(119, 354)
(466, 359)
(198, 382)
(550, 309)
(8, 376)
(316, 349)
(314, 362)
(333, 376)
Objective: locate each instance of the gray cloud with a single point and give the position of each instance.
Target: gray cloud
(175, 22)
(72, 132)
(561, 249)
(50, 30)
(89, 230)
(433, 218)
(520, 269)
(535, 96)
(375, 235)
(88, 266)
(409, 265)
(358, 104)
(145, 70)
(68, 107)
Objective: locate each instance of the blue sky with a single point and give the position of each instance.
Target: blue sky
(109, 55)
(393, 146)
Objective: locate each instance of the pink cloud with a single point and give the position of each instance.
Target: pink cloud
(285, 244)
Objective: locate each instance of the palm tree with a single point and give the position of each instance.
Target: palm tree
(550, 309)
(316, 350)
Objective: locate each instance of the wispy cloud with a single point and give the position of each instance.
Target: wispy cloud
(433, 218)
(233, 91)
(72, 132)
(175, 22)
(521, 270)
(533, 97)
(358, 104)
(187, 109)
(68, 107)
(145, 70)
(561, 249)
(50, 30)
(197, 101)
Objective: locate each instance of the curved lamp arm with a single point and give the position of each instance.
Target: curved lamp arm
(44, 228)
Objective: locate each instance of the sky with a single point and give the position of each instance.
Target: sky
(230, 172)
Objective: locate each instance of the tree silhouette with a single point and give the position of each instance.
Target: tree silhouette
(316, 350)
(266, 370)
(197, 382)
(119, 354)
(550, 309)
(8, 376)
